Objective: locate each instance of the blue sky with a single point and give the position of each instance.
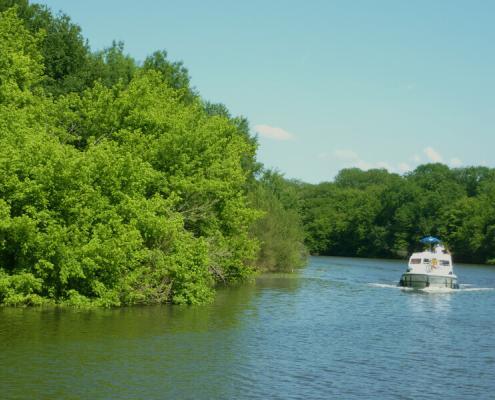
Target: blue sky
(327, 84)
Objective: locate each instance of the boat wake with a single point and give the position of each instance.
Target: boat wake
(462, 288)
(438, 290)
(385, 285)
(475, 289)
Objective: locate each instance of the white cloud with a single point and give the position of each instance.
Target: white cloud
(455, 162)
(273, 132)
(404, 167)
(432, 154)
(351, 159)
(383, 164)
(364, 165)
(346, 155)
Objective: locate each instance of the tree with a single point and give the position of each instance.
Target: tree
(279, 230)
(120, 193)
(64, 51)
(174, 74)
(376, 213)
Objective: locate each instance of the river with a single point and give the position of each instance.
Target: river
(337, 329)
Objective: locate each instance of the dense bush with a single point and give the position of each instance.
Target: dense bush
(120, 188)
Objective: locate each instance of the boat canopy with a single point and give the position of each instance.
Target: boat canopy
(430, 240)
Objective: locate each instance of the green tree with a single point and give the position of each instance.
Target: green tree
(280, 229)
(174, 74)
(64, 51)
(376, 213)
(121, 193)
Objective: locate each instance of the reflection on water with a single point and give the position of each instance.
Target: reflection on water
(324, 332)
(437, 303)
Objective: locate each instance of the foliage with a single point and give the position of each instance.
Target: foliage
(20, 61)
(110, 66)
(118, 185)
(174, 74)
(280, 229)
(376, 213)
(69, 64)
(65, 53)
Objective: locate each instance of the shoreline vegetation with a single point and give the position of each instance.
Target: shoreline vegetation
(121, 185)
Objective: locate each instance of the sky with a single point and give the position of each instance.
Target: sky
(327, 84)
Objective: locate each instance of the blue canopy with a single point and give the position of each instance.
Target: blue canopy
(429, 240)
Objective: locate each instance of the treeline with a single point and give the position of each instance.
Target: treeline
(380, 214)
(119, 184)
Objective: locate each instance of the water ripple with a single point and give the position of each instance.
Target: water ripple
(324, 333)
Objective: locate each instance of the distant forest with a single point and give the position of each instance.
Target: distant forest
(379, 214)
(120, 184)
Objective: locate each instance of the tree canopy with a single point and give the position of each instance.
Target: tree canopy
(118, 183)
(380, 214)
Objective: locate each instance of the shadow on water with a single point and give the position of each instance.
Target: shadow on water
(132, 352)
(53, 324)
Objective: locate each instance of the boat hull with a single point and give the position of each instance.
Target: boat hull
(422, 281)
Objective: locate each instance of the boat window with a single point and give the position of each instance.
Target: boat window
(426, 260)
(415, 261)
(444, 263)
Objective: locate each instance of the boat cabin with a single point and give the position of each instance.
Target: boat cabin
(432, 261)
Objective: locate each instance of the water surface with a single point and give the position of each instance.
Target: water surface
(338, 329)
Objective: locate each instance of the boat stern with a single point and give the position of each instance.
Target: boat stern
(422, 281)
